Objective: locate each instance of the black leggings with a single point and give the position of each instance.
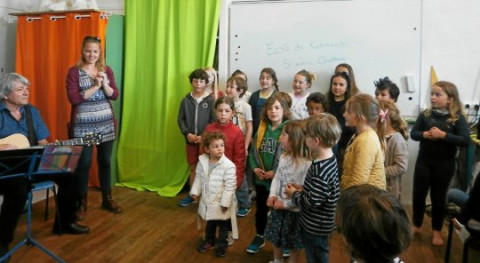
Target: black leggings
(262, 208)
(436, 176)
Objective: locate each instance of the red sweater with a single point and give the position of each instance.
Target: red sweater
(234, 146)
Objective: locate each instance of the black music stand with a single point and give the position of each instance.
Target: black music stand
(32, 163)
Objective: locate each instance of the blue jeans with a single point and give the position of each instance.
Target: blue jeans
(458, 197)
(104, 153)
(242, 195)
(316, 247)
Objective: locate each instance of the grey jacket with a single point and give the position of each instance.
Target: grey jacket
(193, 117)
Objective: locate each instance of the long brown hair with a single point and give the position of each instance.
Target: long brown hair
(350, 74)
(365, 106)
(296, 138)
(100, 64)
(282, 99)
(393, 114)
(454, 108)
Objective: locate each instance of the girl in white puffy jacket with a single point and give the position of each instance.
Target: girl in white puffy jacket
(215, 182)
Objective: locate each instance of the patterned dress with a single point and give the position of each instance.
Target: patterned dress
(94, 115)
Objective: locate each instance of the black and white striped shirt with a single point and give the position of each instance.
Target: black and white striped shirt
(319, 197)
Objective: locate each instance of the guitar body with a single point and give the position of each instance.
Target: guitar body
(17, 139)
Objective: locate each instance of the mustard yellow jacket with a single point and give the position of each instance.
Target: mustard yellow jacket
(364, 161)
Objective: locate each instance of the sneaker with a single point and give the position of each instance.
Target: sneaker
(220, 252)
(186, 201)
(243, 212)
(230, 239)
(204, 246)
(257, 243)
(286, 253)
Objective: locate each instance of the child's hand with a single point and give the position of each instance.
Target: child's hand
(278, 205)
(436, 133)
(195, 197)
(198, 139)
(191, 137)
(269, 175)
(271, 201)
(292, 188)
(427, 135)
(259, 173)
(224, 209)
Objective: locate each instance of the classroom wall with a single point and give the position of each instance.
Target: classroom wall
(450, 43)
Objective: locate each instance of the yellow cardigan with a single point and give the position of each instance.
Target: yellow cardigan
(364, 162)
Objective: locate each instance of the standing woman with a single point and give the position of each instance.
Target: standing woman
(90, 87)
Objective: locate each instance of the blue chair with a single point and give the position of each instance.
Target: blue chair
(46, 185)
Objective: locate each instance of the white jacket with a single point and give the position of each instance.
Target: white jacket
(216, 189)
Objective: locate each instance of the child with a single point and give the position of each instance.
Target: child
(243, 119)
(440, 129)
(396, 154)
(196, 111)
(268, 86)
(245, 94)
(301, 82)
(212, 85)
(264, 155)
(374, 224)
(318, 198)
(316, 103)
(347, 69)
(215, 182)
(338, 94)
(386, 90)
(364, 157)
(283, 228)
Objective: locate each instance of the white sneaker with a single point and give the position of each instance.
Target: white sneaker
(230, 239)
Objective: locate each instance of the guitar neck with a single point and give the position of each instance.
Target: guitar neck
(71, 142)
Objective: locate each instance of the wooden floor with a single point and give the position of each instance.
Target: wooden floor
(155, 229)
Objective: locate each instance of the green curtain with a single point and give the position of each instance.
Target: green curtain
(164, 41)
(114, 49)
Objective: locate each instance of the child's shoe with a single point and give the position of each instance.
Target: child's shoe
(286, 253)
(220, 252)
(257, 244)
(204, 246)
(186, 201)
(243, 212)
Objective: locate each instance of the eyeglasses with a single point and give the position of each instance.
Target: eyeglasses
(92, 39)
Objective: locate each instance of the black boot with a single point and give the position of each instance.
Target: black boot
(108, 203)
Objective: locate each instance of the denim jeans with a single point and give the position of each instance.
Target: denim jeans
(316, 247)
(458, 197)
(242, 195)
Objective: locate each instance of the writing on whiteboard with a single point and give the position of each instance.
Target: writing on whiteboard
(274, 49)
(299, 62)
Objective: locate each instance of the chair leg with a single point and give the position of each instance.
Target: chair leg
(449, 241)
(46, 204)
(57, 212)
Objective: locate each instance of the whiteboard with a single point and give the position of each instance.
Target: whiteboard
(377, 38)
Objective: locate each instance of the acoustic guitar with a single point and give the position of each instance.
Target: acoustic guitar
(21, 141)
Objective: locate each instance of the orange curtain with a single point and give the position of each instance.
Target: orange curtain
(48, 44)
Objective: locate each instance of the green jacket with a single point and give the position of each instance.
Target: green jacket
(266, 150)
